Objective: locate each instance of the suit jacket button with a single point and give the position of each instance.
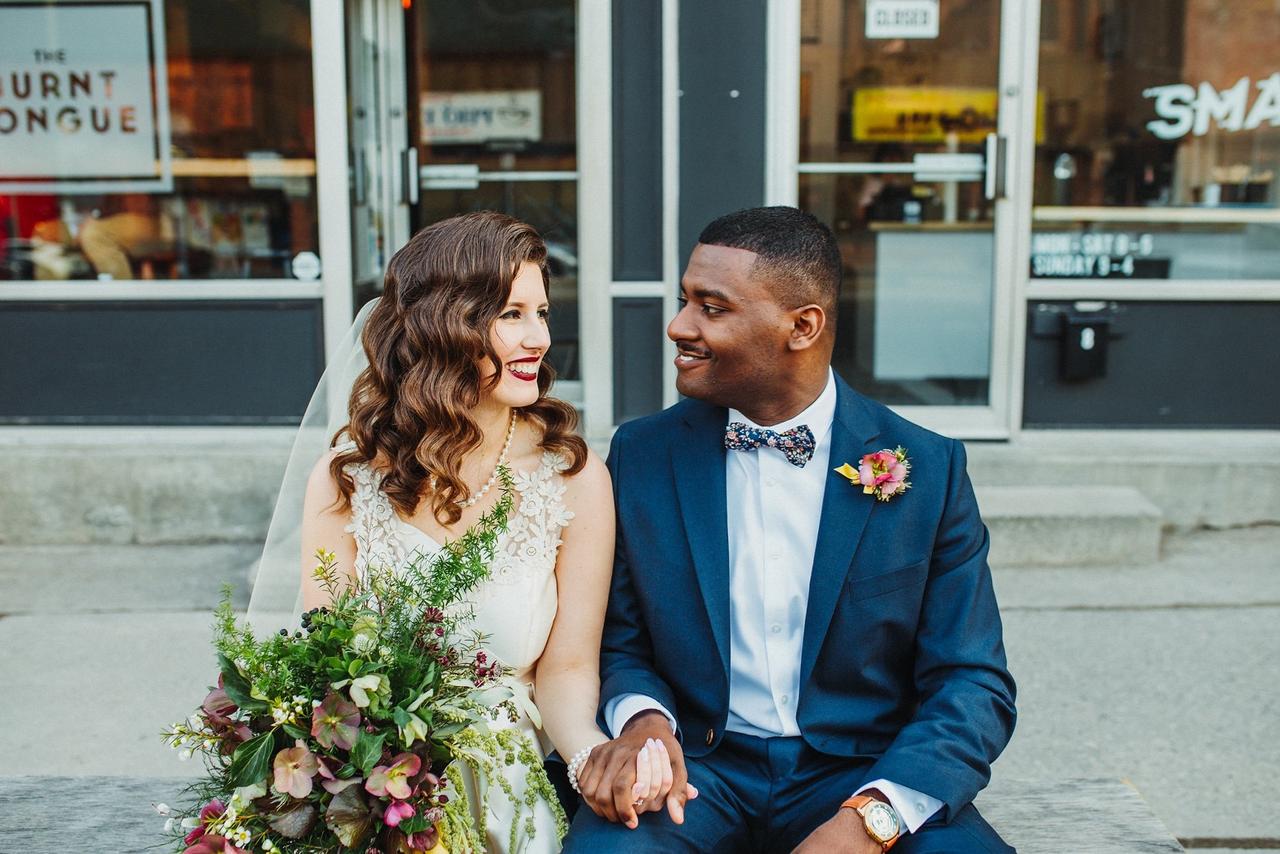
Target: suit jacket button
(711, 736)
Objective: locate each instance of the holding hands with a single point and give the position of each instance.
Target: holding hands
(642, 770)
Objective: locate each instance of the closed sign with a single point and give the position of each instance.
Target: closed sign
(902, 19)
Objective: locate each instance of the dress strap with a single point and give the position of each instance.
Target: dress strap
(372, 521)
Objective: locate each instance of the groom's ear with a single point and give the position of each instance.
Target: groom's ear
(808, 322)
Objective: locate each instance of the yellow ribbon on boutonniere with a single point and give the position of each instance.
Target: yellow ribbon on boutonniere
(882, 473)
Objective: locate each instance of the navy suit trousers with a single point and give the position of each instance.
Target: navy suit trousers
(766, 795)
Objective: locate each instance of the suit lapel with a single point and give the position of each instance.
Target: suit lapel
(698, 460)
(845, 511)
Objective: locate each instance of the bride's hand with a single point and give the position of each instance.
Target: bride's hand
(654, 777)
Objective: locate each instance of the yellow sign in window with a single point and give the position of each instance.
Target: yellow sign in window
(928, 114)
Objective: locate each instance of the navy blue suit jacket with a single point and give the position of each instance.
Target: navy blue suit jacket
(903, 661)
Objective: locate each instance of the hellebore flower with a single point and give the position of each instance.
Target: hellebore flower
(397, 812)
(331, 783)
(335, 722)
(413, 730)
(294, 767)
(366, 690)
(393, 779)
(208, 813)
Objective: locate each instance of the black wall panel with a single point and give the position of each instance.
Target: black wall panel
(1169, 364)
(637, 140)
(188, 362)
(722, 112)
(638, 336)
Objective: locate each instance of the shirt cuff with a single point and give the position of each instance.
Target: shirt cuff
(624, 707)
(914, 808)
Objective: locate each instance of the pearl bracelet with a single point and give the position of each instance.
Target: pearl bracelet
(575, 765)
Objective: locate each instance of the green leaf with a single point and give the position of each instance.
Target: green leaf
(252, 760)
(297, 731)
(348, 817)
(353, 669)
(414, 825)
(237, 687)
(367, 750)
(295, 821)
(400, 716)
(449, 729)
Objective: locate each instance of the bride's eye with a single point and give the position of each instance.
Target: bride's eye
(544, 313)
(514, 314)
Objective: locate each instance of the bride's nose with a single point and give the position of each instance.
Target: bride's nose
(536, 336)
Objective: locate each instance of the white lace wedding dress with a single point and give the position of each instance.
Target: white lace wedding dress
(514, 607)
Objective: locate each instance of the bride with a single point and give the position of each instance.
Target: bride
(456, 386)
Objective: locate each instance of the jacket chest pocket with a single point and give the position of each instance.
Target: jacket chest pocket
(866, 587)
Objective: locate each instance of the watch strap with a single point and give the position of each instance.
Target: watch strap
(859, 803)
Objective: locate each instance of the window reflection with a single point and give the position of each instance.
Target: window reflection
(242, 143)
(1162, 139)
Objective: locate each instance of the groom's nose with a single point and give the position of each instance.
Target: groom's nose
(681, 328)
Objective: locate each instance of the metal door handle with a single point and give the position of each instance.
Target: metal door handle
(997, 153)
(359, 189)
(409, 175)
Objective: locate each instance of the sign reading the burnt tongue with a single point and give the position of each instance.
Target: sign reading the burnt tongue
(84, 105)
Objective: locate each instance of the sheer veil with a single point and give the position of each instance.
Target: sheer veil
(276, 582)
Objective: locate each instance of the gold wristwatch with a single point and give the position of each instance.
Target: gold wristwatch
(879, 819)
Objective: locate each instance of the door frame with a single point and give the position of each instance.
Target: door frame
(1016, 84)
(594, 394)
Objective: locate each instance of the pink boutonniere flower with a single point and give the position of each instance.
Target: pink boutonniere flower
(882, 474)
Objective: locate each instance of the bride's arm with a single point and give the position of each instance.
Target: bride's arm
(324, 525)
(567, 681)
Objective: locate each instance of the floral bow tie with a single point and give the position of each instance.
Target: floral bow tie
(795, 444)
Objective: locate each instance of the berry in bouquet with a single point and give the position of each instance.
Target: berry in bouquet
(350, 733)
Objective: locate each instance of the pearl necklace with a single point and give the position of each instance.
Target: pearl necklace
(493, 478)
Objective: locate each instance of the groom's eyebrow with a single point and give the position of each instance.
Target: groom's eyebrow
(711, 293)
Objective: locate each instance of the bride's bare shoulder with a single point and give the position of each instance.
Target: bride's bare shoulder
(322, 487)
(591, 483)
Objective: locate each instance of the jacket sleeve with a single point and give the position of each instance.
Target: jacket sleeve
(966, 709)
(626, 649)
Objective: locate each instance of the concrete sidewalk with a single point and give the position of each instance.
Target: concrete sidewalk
(1166, 675)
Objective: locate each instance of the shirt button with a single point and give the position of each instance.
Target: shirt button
(775, 555)
(711, 736)
(768, 481)
(785, 699)
(919, 807)
(776, 629)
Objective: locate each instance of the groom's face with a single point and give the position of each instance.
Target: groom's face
(730, 332)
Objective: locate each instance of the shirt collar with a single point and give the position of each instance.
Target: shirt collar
(818, 415)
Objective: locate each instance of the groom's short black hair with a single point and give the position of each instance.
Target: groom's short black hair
(798, 255)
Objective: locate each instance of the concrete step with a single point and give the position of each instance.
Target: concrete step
(1070, 525)
(1198, 478)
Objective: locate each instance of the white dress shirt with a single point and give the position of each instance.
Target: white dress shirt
(773, 532)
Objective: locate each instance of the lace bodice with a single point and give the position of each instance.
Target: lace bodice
(516, 605)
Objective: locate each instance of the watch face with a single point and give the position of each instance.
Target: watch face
(882, 821)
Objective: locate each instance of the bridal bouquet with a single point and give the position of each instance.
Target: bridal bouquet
(350, 733)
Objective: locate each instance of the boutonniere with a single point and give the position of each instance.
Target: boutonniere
(882, 474)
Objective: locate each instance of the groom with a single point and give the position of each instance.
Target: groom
(825, 666)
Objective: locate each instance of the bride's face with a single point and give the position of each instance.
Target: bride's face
(520, 338)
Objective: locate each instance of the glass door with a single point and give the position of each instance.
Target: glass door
(902, 149)
(460, 106)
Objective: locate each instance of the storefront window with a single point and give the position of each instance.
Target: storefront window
(157, 140)
(893, 124)
(1162, 140)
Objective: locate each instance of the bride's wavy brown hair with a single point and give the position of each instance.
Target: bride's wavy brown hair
(426, 341)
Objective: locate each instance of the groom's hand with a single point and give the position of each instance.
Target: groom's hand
(844, 833)
(608, 778)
